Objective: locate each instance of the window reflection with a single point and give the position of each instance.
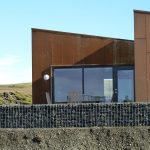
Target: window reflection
(98, 82)
(125, 86)
(92, 84)
(65, 81)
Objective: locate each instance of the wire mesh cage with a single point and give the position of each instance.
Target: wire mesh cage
(75, 115)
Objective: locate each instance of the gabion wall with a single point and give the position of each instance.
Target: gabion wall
(75, 115)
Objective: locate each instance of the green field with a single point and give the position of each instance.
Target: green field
(16, 94)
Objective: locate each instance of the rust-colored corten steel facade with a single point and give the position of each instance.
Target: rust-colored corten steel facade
(142, 55)
(53, 48)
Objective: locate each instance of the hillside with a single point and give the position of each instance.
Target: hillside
(16, 93)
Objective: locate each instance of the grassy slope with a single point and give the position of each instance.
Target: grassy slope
(21, 92)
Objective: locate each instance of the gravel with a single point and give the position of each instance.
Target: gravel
(94, 138)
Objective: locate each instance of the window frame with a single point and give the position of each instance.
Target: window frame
(114, 68)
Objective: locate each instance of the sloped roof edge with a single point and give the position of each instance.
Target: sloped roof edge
(141, 11)
(76, 34)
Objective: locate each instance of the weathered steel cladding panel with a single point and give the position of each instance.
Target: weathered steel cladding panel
(50, 48)
(148, 32)
(140, 70)
(72, 50)
(140, 24)
(124, 53)
(148, 76)
(37, 48)
(142, 56)
(148, 53)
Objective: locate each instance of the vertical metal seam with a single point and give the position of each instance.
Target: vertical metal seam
(146, 59)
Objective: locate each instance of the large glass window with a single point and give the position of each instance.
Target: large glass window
(90, 83)
(65, 81)
(98, 82)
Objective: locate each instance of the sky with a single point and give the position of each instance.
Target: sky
(108, 18)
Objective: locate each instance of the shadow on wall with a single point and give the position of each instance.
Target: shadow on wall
(102, 56)
(116, 52)
(42, 87)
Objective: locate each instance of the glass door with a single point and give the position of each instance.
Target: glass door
(124, 84)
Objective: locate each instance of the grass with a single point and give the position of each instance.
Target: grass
(16, 93)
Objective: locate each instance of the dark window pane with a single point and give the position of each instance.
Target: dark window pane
(66, 81)
(98, 82)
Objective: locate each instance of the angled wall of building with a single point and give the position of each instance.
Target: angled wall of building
(52, 48)
(142, 55)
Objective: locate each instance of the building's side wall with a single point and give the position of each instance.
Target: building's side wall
(50, 48)
(142, 56)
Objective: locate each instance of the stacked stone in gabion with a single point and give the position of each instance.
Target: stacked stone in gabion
(75, 115)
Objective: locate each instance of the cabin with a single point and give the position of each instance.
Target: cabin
(71, 67)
